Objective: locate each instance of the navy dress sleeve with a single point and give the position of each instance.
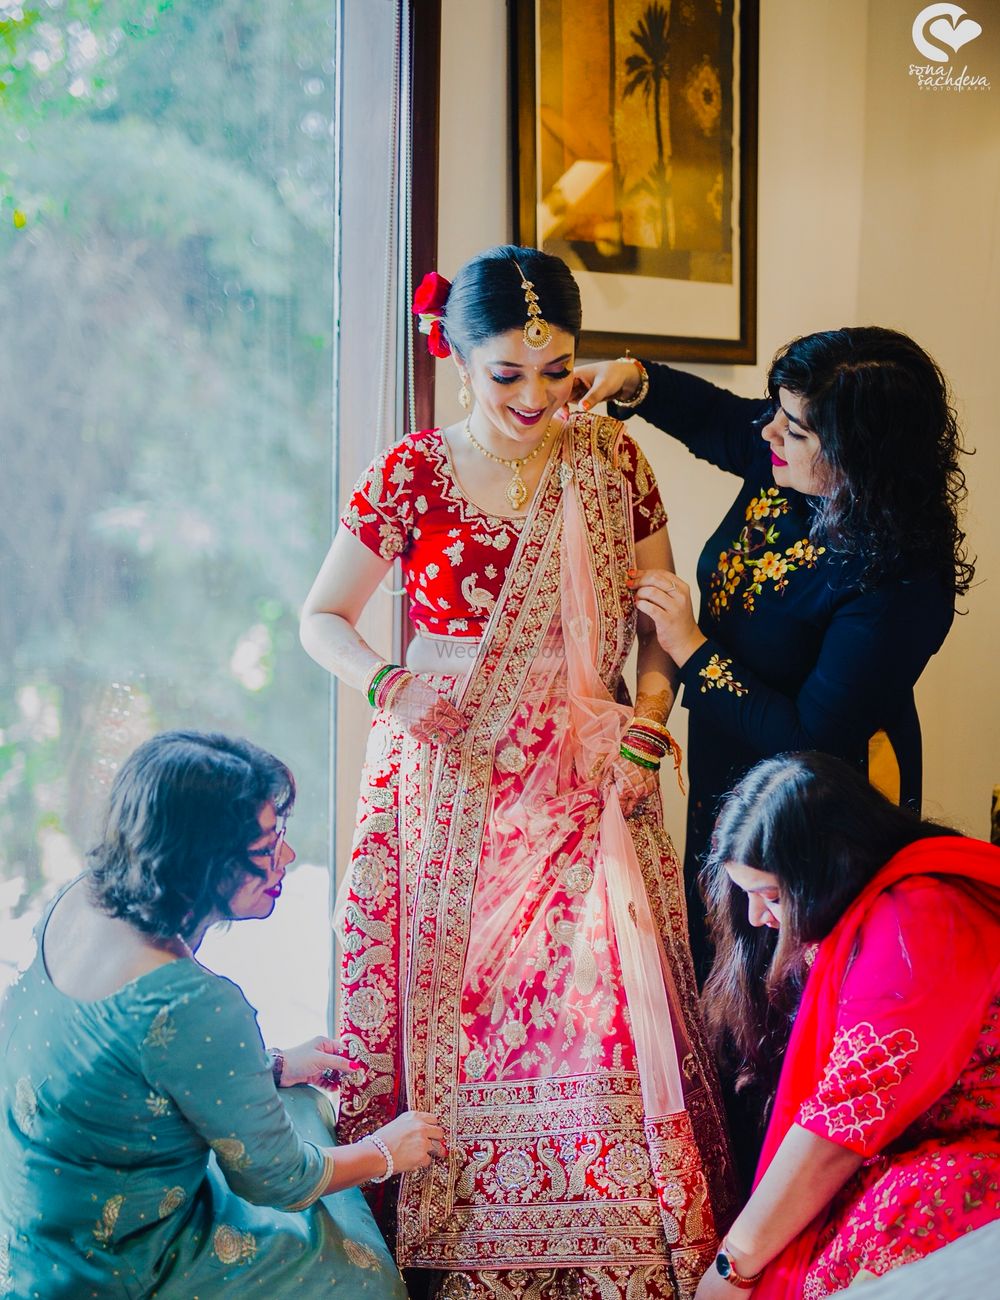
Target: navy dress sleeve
(713, 423)
(873, 651)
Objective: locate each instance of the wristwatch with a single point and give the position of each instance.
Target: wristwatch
(277, 1057)
(725, 1267)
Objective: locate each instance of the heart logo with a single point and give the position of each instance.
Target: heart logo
(948, 24)
(955, 36)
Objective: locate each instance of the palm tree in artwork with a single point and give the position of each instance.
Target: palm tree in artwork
(649, 71)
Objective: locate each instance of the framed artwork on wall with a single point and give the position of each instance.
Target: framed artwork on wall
(635, 140)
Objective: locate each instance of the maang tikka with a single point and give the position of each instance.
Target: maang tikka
(537, 331)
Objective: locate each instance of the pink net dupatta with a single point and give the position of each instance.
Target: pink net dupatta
(542, 1020)
(597, 725)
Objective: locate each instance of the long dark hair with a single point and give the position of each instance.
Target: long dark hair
(183, 811)
(889, 436)
(818, 826)
(486, 298)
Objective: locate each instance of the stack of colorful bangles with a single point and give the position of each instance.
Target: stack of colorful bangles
(645, 743)
(383, 682)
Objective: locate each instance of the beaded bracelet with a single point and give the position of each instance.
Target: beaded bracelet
(386, 1155)
(629, 403)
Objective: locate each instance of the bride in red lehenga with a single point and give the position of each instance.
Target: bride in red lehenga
(514, 944)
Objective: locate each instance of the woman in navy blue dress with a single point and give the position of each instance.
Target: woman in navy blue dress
(832, 578)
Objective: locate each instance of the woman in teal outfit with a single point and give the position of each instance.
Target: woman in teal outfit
(144, 1148)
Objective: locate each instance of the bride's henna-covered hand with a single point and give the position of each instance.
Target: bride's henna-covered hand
(424, 712)
(633, 782)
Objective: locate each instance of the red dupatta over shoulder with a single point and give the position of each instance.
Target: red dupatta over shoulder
(917, 941)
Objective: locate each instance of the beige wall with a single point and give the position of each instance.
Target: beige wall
(878, 203)
(930, 264)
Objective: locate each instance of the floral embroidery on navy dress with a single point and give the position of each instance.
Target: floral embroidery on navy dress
(756, 558)
(718, 675)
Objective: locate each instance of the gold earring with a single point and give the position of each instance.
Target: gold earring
(465, 395)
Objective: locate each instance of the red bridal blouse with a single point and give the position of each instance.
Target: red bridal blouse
(409, 503)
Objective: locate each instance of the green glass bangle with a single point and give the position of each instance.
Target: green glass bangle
(638, 759)
(382, 673)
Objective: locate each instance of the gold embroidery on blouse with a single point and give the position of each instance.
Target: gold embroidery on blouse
(360, 1255)
(231, 1154)
(161, 1032)
(25, 1106)
(173, 1198)
(105, 1227)
(388, 503)
(232, 1246)
(717, 675)
(157, 1106)
(752, 560)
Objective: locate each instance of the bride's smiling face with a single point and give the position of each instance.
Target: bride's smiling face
(519, 389)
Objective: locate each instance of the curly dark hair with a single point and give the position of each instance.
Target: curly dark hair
(486, 298)
(889, 435)
(819, 826)
(183, 811)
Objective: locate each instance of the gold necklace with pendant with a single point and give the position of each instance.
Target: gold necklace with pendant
(516, 490)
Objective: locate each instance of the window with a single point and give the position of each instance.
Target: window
(166, 241)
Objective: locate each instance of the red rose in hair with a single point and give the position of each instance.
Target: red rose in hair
(431, 295)
(437, 344)
(428, 306)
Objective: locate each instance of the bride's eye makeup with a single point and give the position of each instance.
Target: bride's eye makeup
(548, 374)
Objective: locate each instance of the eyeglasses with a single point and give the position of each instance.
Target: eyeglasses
(274, 852)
